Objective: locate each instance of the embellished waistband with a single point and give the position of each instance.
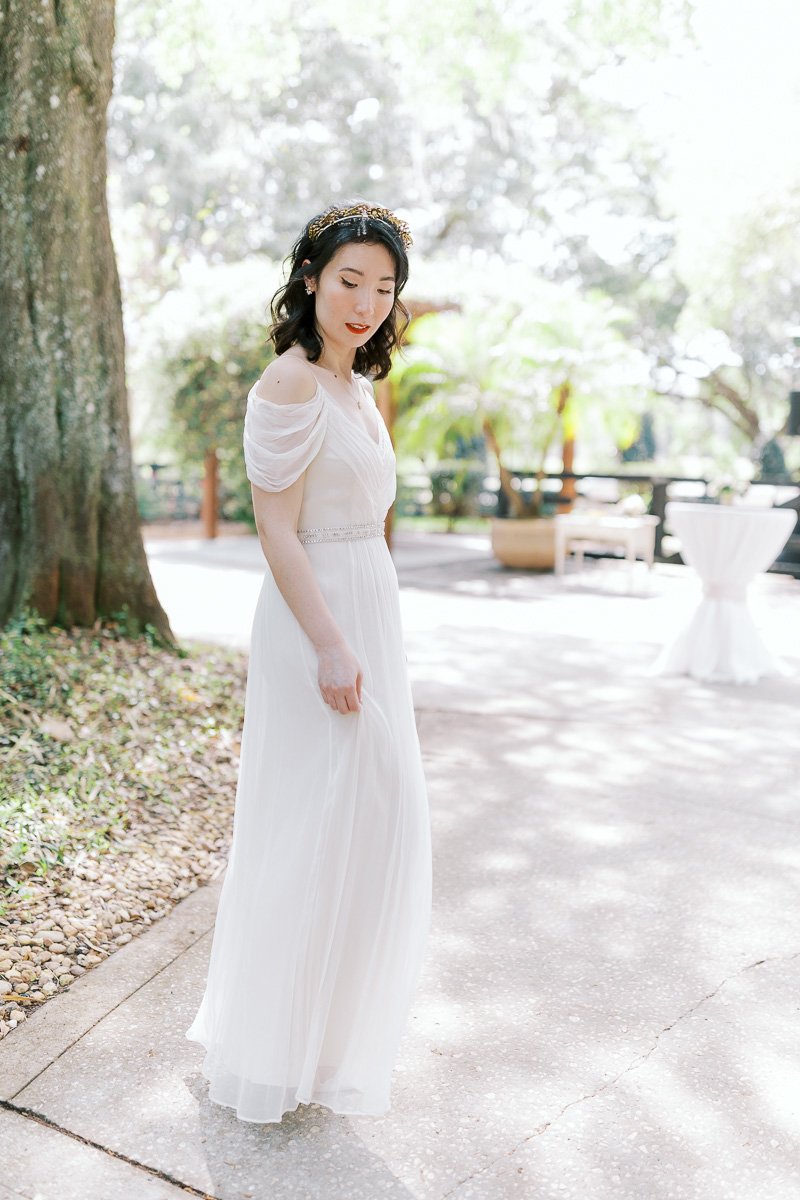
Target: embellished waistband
(341, 533)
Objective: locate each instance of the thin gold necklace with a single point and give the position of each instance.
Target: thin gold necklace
(355, 396)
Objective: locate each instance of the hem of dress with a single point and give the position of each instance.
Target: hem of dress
(339, 1112)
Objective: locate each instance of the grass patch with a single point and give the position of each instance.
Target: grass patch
(444, 524)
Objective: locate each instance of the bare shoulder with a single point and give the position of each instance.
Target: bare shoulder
(287, 380)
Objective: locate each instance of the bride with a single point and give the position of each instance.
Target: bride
(325, 907)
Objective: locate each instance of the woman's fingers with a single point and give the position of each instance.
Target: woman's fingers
(339, 679)
(345, 701)
(337, 701)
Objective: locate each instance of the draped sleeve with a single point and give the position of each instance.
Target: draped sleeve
(280, 440)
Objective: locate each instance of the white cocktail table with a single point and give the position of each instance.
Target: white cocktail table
(727, 547)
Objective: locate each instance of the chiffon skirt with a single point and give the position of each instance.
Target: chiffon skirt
(325, 906)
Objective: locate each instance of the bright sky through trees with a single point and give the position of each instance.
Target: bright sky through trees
(727, 115)
(642, 148)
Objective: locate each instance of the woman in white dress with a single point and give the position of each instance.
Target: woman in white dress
(324, 912)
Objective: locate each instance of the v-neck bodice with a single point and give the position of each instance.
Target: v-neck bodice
(349, 474)
(356, 421)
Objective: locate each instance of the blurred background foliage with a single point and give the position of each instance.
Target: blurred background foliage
(600, 193)
(505, 363)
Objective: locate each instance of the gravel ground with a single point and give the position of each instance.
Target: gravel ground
(105, 903)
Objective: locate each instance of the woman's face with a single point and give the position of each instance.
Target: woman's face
(354, 294)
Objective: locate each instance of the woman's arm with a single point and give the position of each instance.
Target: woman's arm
(277, 513)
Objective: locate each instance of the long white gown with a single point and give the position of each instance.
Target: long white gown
(324, 912)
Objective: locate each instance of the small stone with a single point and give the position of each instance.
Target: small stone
(47, 936)
(65, 979)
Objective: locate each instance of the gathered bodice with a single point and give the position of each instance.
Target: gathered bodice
(350, 477)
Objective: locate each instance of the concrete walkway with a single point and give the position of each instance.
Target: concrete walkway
(609, 1009)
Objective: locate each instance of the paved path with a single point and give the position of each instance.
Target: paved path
(609, 1007)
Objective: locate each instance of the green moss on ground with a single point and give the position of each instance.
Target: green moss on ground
(100, 735)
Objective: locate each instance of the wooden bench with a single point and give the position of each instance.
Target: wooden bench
(581, 531)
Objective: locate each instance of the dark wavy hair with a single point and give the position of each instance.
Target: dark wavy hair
(293, 310)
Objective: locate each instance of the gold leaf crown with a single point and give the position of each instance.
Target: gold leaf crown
(364, 212)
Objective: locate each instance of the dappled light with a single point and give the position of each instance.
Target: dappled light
(399, 569)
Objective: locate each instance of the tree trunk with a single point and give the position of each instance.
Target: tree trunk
(210, 500)
(568, 491)
(516, 502)
(70, 543)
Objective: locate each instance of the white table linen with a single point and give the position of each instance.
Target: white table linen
(727, 547)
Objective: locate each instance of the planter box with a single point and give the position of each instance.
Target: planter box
(524, 542)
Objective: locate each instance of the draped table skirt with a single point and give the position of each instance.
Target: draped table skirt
(727, 547)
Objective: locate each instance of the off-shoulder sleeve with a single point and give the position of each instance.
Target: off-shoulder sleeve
(280, 440)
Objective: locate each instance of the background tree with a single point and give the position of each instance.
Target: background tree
(586, 141)
(528, 376)
(494, 128)
(208, 385)
(70, 545)
(732, 348)
(486, 122)
(197, 352)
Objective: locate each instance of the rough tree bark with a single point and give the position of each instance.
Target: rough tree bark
(70, 544)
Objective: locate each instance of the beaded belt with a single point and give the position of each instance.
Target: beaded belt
(341, 533)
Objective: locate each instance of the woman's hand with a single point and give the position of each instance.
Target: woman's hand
(339, 677)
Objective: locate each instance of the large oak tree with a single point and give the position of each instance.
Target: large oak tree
(70, 544)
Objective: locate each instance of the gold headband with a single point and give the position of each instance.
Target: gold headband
(365, 212)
